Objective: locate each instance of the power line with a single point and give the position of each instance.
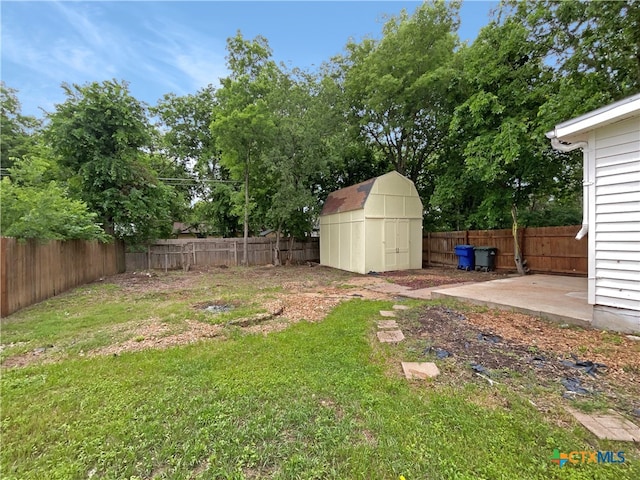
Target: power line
(194, 181)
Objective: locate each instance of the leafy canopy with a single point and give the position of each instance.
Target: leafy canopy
(102, 135)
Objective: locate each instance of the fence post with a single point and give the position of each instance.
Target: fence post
(235, 253)
(149, 257)
(166, 258)
(4, 292)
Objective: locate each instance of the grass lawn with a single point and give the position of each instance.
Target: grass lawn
(316, 400)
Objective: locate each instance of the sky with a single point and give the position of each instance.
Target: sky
(177, 47)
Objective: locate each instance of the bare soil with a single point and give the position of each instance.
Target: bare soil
(437, 276)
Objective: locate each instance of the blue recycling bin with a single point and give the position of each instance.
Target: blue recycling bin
(466, 257)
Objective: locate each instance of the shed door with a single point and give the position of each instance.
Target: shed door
(396, 244)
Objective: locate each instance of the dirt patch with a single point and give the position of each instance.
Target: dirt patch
(435, 277)
(502, 346)
(46, 354)
(158, 335)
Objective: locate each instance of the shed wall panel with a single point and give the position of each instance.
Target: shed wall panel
(374, 248)
(413, 208)
(344, 257)
(394, 206)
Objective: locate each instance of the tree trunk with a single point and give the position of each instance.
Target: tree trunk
(246, 213)
(276, 250)
(290, 252)
(517, 255)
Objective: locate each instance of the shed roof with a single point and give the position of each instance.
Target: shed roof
(349, 198)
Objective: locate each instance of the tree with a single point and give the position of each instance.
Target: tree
(18, 131)
(217, 215)
(35, 205)
(101, 134)
(292, 166)
(186, 139)
(395, 86)
(242, 125)
(594, 45)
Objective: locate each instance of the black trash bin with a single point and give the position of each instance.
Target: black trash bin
(485, 258)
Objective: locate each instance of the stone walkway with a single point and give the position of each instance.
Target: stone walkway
(388, 332)
(610, 426)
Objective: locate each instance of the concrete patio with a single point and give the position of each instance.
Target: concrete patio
(557, 298)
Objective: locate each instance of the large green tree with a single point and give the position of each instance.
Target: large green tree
(396, 86)
(496, 127)
(594, 47)
(101, 135)
(293, 165)
(242, 124)
(187, 142)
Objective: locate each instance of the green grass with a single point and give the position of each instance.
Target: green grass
(100, 314)
(317, 400)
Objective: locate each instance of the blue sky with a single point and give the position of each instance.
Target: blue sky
(162, 46)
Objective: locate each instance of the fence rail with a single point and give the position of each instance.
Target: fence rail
(546, 249)
(31, 271)
(186, 252)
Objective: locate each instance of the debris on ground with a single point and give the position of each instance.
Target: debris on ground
(587, 366)
(476, 367)
(435, 277)
(512, 345)
(487, 337)
(574, 385)
(440, 353)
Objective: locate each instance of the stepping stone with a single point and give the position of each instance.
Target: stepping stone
(420, 370)
(400, 307)
(387, 313)
(611, 426)
(390, 336)
(387, 324)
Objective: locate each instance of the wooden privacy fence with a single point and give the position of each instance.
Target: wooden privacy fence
(31, 271)
(546, 249)
(209, 252)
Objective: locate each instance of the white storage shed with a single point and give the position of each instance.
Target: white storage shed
(610, 140)
(374, 226)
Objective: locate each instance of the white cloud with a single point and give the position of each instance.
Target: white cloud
(198, 57)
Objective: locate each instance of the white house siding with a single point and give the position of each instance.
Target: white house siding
(615, 234)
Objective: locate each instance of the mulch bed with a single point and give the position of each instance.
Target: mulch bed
(437, 276)
(495, 344)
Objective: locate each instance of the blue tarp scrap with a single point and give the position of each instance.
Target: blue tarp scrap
(487, 337)
(440, 353)
(538, 360)
(476, 367)
(573, 385)
(587, 366)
